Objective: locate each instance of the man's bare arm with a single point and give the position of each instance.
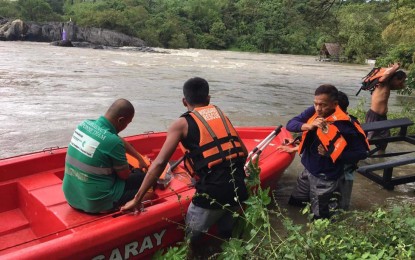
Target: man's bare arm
(174, 135)
(389, 72)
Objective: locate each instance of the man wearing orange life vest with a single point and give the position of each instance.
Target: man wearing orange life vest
(215, 154)
(391, 79)
(329, 141)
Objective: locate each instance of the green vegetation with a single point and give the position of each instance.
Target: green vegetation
(380, 233)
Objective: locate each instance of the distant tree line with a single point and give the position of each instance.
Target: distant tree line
(364, 28)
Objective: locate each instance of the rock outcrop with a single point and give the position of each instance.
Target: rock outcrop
(12, 30)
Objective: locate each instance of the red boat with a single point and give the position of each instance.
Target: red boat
(37, 223)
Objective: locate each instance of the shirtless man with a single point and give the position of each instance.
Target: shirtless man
(392, 79)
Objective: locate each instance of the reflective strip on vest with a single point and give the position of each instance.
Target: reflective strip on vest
(219, 141)
(88, 168)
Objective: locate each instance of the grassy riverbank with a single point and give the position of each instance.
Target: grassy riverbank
(384, 232)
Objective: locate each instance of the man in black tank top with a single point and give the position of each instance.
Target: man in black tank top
(212, 171)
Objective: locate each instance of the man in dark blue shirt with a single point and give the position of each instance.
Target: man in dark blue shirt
(329, 141)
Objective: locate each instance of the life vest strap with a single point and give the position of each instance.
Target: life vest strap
(204, 162)
(330, 147)
(217, 143)
(214, 150)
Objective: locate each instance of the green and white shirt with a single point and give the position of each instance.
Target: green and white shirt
(94, 155)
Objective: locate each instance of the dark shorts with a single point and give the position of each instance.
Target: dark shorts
(374, 117)
(323, 194)
(199, 220)
(132, 184)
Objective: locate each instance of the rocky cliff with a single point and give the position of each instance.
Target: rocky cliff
(13, 30)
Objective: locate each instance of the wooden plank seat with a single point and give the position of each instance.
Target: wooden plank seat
(387, 181)
(402, 123)
(388, 124)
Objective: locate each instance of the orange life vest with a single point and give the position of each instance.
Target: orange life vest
(371, 80)
(360, 129)
(330, 136)
(219, 141)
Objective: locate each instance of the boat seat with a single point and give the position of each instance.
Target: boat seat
(36, 181)
(47, 190)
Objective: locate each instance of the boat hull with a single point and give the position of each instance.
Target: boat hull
(37, 223)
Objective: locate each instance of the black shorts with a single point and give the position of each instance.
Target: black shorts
(132, 184)
(374, 117)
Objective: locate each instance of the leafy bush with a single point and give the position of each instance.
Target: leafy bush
(382, 233)
(405, 54)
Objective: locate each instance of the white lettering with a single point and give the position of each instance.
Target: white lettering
(115, 254)
(147, 244)
(83, 143)
(209, 114)
(159, 236)
(94, 129)
(131, 248)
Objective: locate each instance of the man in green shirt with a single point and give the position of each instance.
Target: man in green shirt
(97, 175)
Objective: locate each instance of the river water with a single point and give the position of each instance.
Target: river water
(45, 91)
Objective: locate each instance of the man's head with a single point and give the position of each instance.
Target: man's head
(196, 92)
(120, 114)
(325, 100)
(343, 100)
(397, 81)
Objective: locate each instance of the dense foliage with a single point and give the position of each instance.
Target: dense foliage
(268, 26)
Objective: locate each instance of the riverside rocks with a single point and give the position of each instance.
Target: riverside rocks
(13, 30)
(68, 34)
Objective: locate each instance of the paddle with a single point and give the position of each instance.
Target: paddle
(262, 145)
(165, 177)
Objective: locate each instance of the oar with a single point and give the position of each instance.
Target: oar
(262, 145)
(165, 178)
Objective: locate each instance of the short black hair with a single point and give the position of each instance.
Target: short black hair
(399, 75)
(121, 108)
(196, 91)
(343, 100)
(329, 90)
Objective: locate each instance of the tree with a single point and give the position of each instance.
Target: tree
(8, 9)
(36, 10)
(360, 28)
(402, 26)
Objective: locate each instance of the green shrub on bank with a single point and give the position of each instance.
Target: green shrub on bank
(382, 233)
(407, 110)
